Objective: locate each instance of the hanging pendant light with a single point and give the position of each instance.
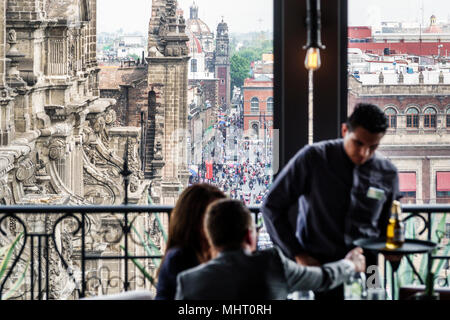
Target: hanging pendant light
(312, 60)
(314, 42)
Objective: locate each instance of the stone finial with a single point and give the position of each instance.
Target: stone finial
(421, 78)
(381, 78)
(158, 151)
(171, 8)
(13, 74)
(400, 77)
(441, 77)
(181, 25)
(12, 36)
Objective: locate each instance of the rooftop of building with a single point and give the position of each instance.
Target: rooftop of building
(259, 81)
(391, 78)
(198, 27)
(112, 77)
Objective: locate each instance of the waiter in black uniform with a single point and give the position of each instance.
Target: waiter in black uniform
(341, 190)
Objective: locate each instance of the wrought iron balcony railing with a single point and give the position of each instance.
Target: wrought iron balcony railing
(68, 252)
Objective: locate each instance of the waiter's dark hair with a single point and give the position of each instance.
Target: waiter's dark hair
(369, 117)
(227, 222)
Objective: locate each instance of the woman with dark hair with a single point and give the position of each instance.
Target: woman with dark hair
(187, 245)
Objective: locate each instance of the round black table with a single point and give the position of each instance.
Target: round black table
(411, 246)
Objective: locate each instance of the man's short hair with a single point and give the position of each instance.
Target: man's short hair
(227, 222)
(369, 117)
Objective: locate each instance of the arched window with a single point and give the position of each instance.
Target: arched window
(255, 128)
(429, 118)
(194, 65)
(254, 105)
(448, 118)
(391, 114)
(270, 105)
(412, 118)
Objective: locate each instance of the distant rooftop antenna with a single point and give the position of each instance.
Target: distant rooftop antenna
(260, 21)
(422, 10)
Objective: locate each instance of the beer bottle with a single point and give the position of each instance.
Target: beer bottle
(395, 230)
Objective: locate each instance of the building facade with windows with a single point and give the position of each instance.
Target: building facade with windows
(145, 100)
(60, 143)
(418, 138)
(209, 58)
(258, 107)
(222, 63)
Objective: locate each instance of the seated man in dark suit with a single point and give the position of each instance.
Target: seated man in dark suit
(237, 273)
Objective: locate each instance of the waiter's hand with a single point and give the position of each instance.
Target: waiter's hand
(306, 260)
(357, 258)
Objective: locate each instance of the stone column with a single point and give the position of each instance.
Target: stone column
(167, 77)
(6, 125)
(183, 171)
(93, 33)
(2, 42)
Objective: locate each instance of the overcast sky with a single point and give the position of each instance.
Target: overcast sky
(134, 15)
(244, 15)
(368, 12)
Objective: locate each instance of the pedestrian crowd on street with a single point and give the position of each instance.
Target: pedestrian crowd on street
(246, 177)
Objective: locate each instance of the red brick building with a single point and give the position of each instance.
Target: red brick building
(360, 32)
(258, 107)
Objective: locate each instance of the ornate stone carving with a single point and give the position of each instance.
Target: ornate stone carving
(7, 195)
(29, 162)
(100, 130)
(134, 184)
(99, 125)
(185, 50)
(158, 151)
(110, 117)
(57, 149)
(25, 170)
(162, 31)
(12, 36)
(40, 166)
(99, 195)
(53, 261)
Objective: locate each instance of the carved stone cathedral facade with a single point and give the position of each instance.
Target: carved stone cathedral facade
(168, 57)
(59, 141)
(153, 97)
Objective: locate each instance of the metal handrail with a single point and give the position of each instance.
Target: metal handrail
(42, 240)
(44, 209)
(408, 208)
